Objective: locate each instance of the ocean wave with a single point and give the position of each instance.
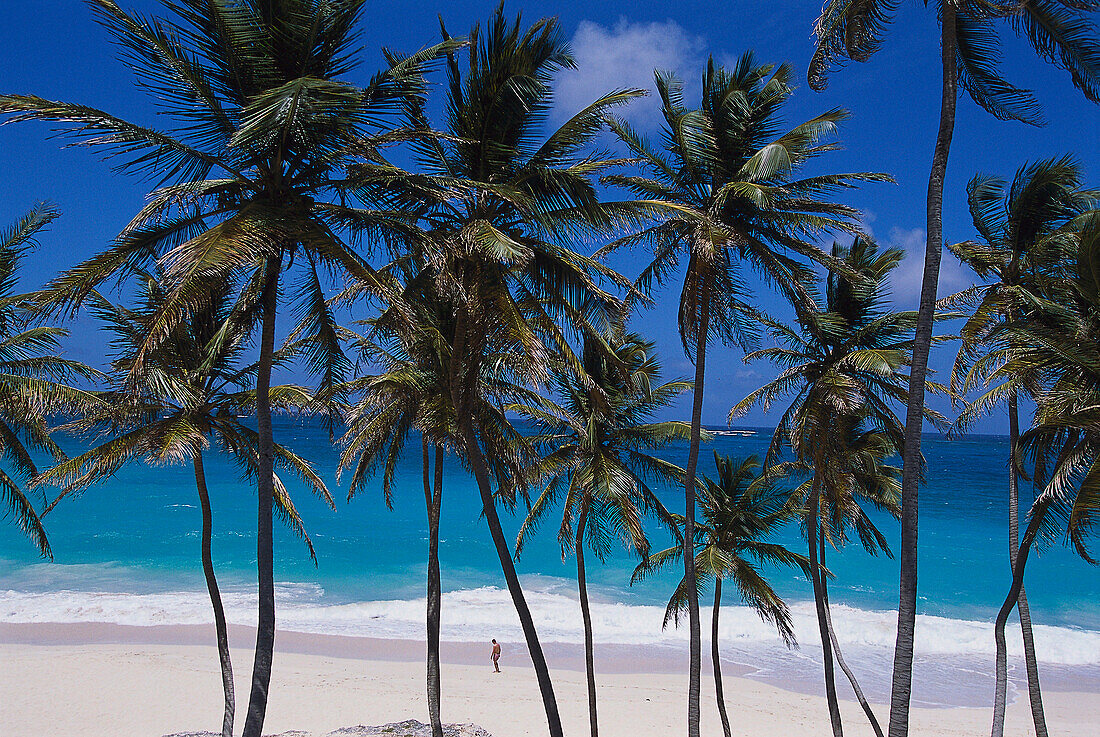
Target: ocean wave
(481, 613)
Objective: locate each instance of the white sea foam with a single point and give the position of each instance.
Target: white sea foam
(480, 613)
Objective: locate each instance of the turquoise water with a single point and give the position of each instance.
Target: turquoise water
(127, 551)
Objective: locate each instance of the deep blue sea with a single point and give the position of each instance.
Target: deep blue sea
(127, 551)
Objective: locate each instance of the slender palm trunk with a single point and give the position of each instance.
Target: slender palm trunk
(715, 657)
(695, 654)
(463, 378)
(836, 644)
(433, 500)
(538, 659)
(265, 488)
(1001, 687)
(902, 684)
(816, 576)
(586, 617)
(215, 597)
(1034, 690)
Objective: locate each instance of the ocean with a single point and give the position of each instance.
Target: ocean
(127, 552)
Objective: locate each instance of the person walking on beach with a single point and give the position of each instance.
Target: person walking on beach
(495, 656)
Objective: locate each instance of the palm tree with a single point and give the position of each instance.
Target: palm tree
(497, 202)
(189, 391)
(33, 379)
(843, 367)
(409, 393)
(727, 186)
(1059, 344)
(855, 475)
(741, 510)
(1021, 255)
(370, 442)
(247, 185)
(1061, 33)
(599, 440)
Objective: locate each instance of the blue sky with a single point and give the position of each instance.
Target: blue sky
(53, 48)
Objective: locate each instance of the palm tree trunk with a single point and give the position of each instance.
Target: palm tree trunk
(215, 597)
(1001, 687)
(586, 617)
(434, 502)
(836, 644)
(538, 660)
(463, 378)
(1034, 690)
(902, 683)
(695, 654)
(715, 657)
(265, 492)
(816, 575)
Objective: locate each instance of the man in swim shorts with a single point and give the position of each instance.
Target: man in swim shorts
(495, 656)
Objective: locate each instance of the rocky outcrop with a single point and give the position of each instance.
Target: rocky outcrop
(409, 728)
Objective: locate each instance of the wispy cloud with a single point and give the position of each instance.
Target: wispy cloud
(905, 282)
(625, 56)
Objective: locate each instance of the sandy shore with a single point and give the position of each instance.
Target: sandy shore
(107, 680)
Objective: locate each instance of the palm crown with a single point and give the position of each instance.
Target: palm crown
(599, 440)
(728, 178)
(34, 380)
(1064, 443)
(740, 510)
(1058, 31)
(191, 391)
(846, 357)
(411, 345)
(498, 198)
(1027, 235)
(263, 123)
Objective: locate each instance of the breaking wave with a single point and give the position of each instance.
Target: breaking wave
(480, 613)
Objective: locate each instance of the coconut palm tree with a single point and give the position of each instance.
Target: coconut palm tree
(410, 340)
(728, 185)
(599, 438)
(1022, 252)
(190, 391)
(247, 184)
(856, 475)
(1059, 344)
(740, 511)
(843, 366)
(408, 393)
(1062, 33)
(34, 380)
(498, 202)
(378, 427)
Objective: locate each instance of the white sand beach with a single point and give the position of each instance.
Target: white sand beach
(105, 680)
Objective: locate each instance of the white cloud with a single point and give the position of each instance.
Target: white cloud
(625, 56)
(905, 282)
(867, 219)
